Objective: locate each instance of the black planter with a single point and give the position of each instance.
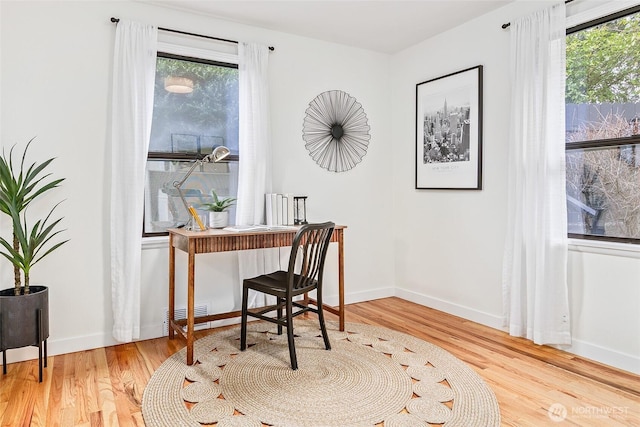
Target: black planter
(24, 321)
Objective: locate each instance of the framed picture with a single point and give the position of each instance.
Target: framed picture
(449, 131)
(185, 143)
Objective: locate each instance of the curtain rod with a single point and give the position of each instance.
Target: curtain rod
(116, 20)
(509, 23)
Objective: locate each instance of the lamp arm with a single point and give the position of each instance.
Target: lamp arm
(178, 184)
(218, 153)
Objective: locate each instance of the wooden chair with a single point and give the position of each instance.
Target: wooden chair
(309, 250)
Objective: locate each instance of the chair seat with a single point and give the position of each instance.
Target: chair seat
(276, 284)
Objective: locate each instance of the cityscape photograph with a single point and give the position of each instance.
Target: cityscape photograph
(446, 134)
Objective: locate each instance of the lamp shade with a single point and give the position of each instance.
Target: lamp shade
(176, 84)
(219, 152)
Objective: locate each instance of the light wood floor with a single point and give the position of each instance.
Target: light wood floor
(103, 387)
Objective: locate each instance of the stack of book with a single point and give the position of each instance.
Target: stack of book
(279, 209)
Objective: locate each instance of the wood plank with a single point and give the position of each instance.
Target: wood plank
(80, 385)
(97, 419)
(119, 378)
(20, 404)
(106, 406)
(6, 393)
(68, 400)
(91, 385)
(56, 371)
(39, 417)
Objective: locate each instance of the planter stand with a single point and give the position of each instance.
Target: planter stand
(19, 329)
(42, 349)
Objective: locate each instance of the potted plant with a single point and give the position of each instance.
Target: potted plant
(24, 310)
(218, 215)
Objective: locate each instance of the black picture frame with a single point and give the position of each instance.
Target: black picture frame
(449, 131)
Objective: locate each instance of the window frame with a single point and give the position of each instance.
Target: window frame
(603, 143)
(202, 57)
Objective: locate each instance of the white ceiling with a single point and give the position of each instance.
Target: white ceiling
(386, 26)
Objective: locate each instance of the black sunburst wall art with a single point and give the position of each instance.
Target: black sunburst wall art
(336, 131)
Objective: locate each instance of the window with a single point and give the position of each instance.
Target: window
(199, 112)
(603, 128)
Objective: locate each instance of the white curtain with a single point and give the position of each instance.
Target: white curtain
(254, 174)
(535, 263)
(134, 67)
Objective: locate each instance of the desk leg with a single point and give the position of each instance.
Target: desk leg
(341, 278)
(172, 285)
(190, 302)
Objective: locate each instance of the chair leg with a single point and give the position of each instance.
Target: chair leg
(292, 345)
(278, 302)
(243, 325)
(323, 328)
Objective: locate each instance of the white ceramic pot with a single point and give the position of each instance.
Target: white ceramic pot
(218, 219)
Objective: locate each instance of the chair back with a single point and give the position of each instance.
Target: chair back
(309, 250)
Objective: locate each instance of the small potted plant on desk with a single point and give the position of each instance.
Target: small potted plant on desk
(218, 215)
(24, 310)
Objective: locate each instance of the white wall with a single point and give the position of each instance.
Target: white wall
(449, 244)
(440, 248)
(55, 83)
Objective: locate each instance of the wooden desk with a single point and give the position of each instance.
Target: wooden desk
(214, 240)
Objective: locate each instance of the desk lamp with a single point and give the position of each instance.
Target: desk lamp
(219, 152)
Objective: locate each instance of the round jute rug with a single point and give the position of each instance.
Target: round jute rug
(372, 376)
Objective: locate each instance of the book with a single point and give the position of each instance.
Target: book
(279, 209)
(274, 208)
(285, 210)
(268, 208)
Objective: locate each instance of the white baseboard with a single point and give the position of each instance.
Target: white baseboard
(580, 348)
(62, 346)
(24, 353)
(355, 297)
(468, 313)
(627, 362)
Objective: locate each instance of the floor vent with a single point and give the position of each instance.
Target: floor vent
(181, 313)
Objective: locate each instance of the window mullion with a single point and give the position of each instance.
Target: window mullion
(603, 143)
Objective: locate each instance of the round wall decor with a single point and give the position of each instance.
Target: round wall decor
(336, 131)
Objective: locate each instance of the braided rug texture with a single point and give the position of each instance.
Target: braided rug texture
(372, 376)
